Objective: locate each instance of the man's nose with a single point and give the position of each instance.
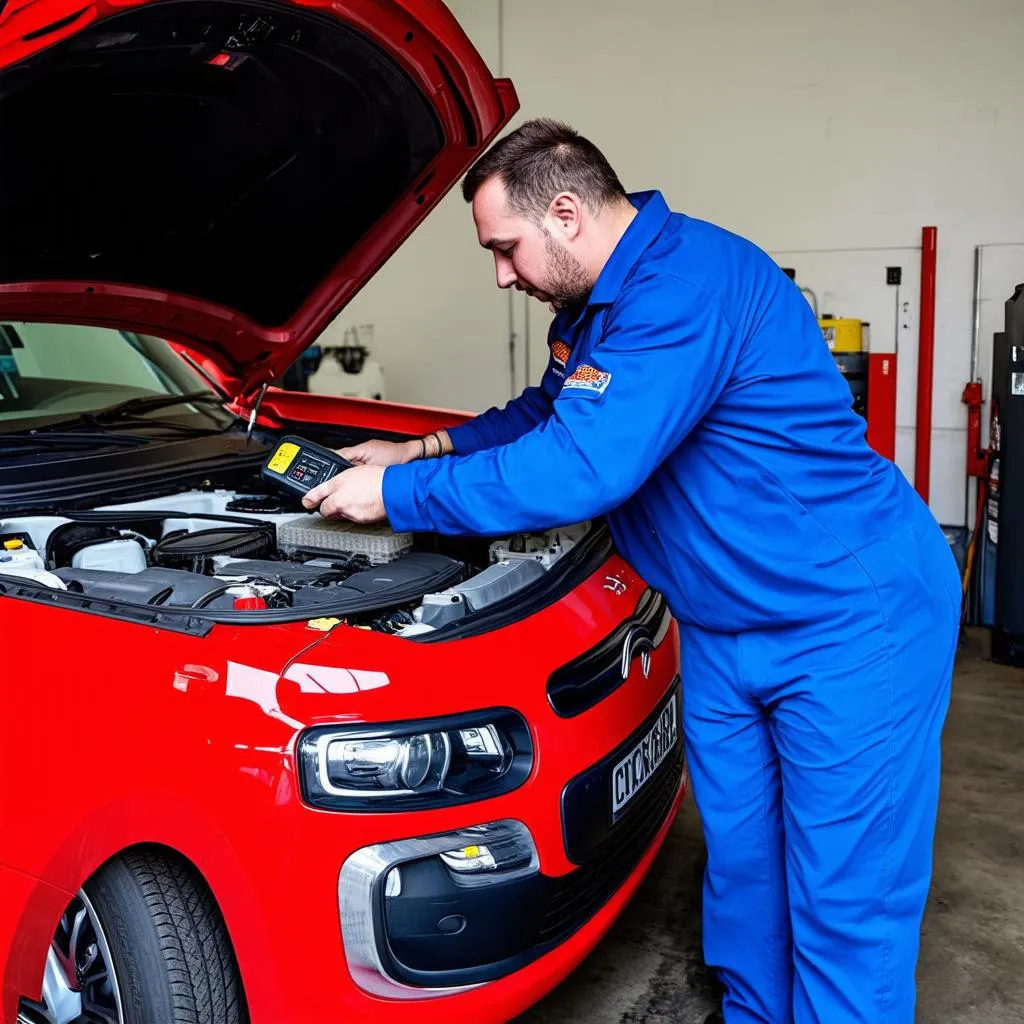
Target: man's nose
(504, 273)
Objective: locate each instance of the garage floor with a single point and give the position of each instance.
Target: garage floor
(649, 967)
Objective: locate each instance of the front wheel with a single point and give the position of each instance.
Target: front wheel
(142, 943)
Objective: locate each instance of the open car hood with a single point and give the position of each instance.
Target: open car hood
(225, 173)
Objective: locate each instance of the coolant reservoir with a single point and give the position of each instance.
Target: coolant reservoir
(16, 554)
(112, 555)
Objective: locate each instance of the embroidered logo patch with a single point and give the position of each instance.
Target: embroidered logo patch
(560, 353)
(588, 380)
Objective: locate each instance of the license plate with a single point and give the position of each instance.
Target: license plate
(635, 769)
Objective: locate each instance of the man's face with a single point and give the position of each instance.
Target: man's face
(528, 256)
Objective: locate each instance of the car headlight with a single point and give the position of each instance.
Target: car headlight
(415, 765)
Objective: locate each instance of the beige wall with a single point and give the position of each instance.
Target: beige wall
(806, 126)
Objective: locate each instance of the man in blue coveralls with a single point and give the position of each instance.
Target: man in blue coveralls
(690, 398)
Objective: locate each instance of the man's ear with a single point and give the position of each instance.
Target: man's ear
(565, 215)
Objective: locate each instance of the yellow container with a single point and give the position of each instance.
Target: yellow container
(843, 335)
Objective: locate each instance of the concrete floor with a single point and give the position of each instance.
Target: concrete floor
(649, 968)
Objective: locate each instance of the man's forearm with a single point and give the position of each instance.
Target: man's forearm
(497, 427)
(431, 446)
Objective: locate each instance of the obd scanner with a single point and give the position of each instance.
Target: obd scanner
(296, 465)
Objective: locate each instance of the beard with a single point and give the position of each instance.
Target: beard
(567, 281)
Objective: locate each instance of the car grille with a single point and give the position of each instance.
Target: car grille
(586, 680)
(577, 896)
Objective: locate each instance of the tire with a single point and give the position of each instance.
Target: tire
(171, 952)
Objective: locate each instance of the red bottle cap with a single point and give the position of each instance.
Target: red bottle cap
(249, 604)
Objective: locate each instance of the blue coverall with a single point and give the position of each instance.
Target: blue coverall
(695, 403)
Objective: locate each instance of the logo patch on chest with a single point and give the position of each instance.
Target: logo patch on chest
(560, 353)
(588, 380)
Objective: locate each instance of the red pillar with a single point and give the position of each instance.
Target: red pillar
(925, 363)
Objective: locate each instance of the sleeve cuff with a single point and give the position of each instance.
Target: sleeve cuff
(404, 513)
(465, 438)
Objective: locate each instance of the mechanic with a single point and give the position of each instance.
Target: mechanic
(690, 398)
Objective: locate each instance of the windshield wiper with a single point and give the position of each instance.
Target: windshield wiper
(150, 403)
(131, 411)
(45, 439)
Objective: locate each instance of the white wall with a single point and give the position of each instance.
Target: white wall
(440, 325)
(805, 125)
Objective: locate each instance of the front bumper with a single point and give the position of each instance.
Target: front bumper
(413, 928)
(281, 891)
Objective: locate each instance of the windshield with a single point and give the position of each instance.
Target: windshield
(53, 372)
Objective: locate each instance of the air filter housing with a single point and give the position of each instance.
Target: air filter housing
(194, 552)
(315, 535)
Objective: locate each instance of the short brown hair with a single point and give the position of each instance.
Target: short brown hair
(540, 159)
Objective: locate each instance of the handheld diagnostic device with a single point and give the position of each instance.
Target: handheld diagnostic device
(296, 465)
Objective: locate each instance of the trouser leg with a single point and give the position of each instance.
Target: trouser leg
(734, 775)
(857, 723)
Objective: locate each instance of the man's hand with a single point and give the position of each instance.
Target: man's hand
(381, 453)
(356, 494)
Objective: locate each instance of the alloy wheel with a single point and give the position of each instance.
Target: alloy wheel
(80, 984)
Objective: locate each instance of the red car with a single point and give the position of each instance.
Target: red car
(257, 765)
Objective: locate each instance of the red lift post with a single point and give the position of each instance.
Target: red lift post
(925, 363)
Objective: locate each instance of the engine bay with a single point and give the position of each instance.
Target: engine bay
(220, 551)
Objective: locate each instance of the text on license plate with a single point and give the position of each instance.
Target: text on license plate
(630, 774)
